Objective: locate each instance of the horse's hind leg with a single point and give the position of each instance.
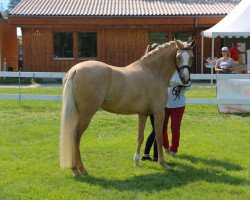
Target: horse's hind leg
(141, 126)
(79, 164)
(158, 123)
(82, 125)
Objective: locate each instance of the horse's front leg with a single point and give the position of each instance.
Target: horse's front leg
(141, 126)
(158, 123)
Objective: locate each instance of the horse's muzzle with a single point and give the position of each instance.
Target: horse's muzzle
(184, 73)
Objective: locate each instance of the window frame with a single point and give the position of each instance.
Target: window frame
(151, 31)
(186, 31)
(75, 46)
(53, 43)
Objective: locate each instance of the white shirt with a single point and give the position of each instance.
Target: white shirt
(179, 100)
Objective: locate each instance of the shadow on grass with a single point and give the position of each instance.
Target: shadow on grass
(178, 176)
(243, 114)
(212, 162)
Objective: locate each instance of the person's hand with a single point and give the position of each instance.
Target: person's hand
(223, 68)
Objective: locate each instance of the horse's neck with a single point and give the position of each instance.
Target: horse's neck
(162, 64)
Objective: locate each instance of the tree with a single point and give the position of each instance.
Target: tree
(12, 4)
(1, 7)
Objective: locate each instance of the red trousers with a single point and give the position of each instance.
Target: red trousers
(176, 115)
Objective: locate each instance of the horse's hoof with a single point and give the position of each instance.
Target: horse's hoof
(76, 174)
(75, 171)
(84, 173)
(164, 165)
(137, 163)
(137, 160)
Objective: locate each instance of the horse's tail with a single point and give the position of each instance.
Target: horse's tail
(68, 124)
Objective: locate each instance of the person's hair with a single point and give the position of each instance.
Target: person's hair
(234, 43)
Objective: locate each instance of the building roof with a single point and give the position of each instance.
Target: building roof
(125, 8)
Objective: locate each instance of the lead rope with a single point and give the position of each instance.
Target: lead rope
(176, 91)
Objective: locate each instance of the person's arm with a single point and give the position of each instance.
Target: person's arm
(216, 67)
(175, 80)
(187, 86)
(242, 52)
(174, 83)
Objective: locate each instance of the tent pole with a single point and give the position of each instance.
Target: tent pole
(212, 67)
(202, 43)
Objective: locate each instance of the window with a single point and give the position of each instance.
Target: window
(63, 44)
(87, 44)
(157, 37)
(183, 36)
(70, 45)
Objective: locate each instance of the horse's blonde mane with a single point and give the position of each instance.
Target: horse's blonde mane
(181, 45)
(159, 48)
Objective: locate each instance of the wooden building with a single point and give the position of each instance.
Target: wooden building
(8, 46)
(58, 34)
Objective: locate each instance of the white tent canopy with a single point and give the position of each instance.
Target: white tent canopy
(235, 24)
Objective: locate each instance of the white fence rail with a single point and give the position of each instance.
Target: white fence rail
(61, 75)
(211, 77)
(30, 97)
(32, 74)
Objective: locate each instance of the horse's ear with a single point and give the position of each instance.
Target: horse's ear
(178, 43)
(192, 44)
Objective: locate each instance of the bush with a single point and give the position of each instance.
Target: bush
(47, 80)
(11, 80)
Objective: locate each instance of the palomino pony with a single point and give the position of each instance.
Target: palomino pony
(139, 88)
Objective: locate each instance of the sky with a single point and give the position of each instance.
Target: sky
(4, 3)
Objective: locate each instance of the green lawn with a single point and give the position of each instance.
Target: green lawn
(213, 160)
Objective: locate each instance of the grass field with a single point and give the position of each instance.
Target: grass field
(213, 160)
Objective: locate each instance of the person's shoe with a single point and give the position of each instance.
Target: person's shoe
(167, 151)
(146, 158)
(155, 160)
(171, 153)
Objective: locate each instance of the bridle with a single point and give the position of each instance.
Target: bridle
(180, 69)
(177, 90)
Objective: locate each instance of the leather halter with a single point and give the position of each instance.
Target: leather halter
(180, 69)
